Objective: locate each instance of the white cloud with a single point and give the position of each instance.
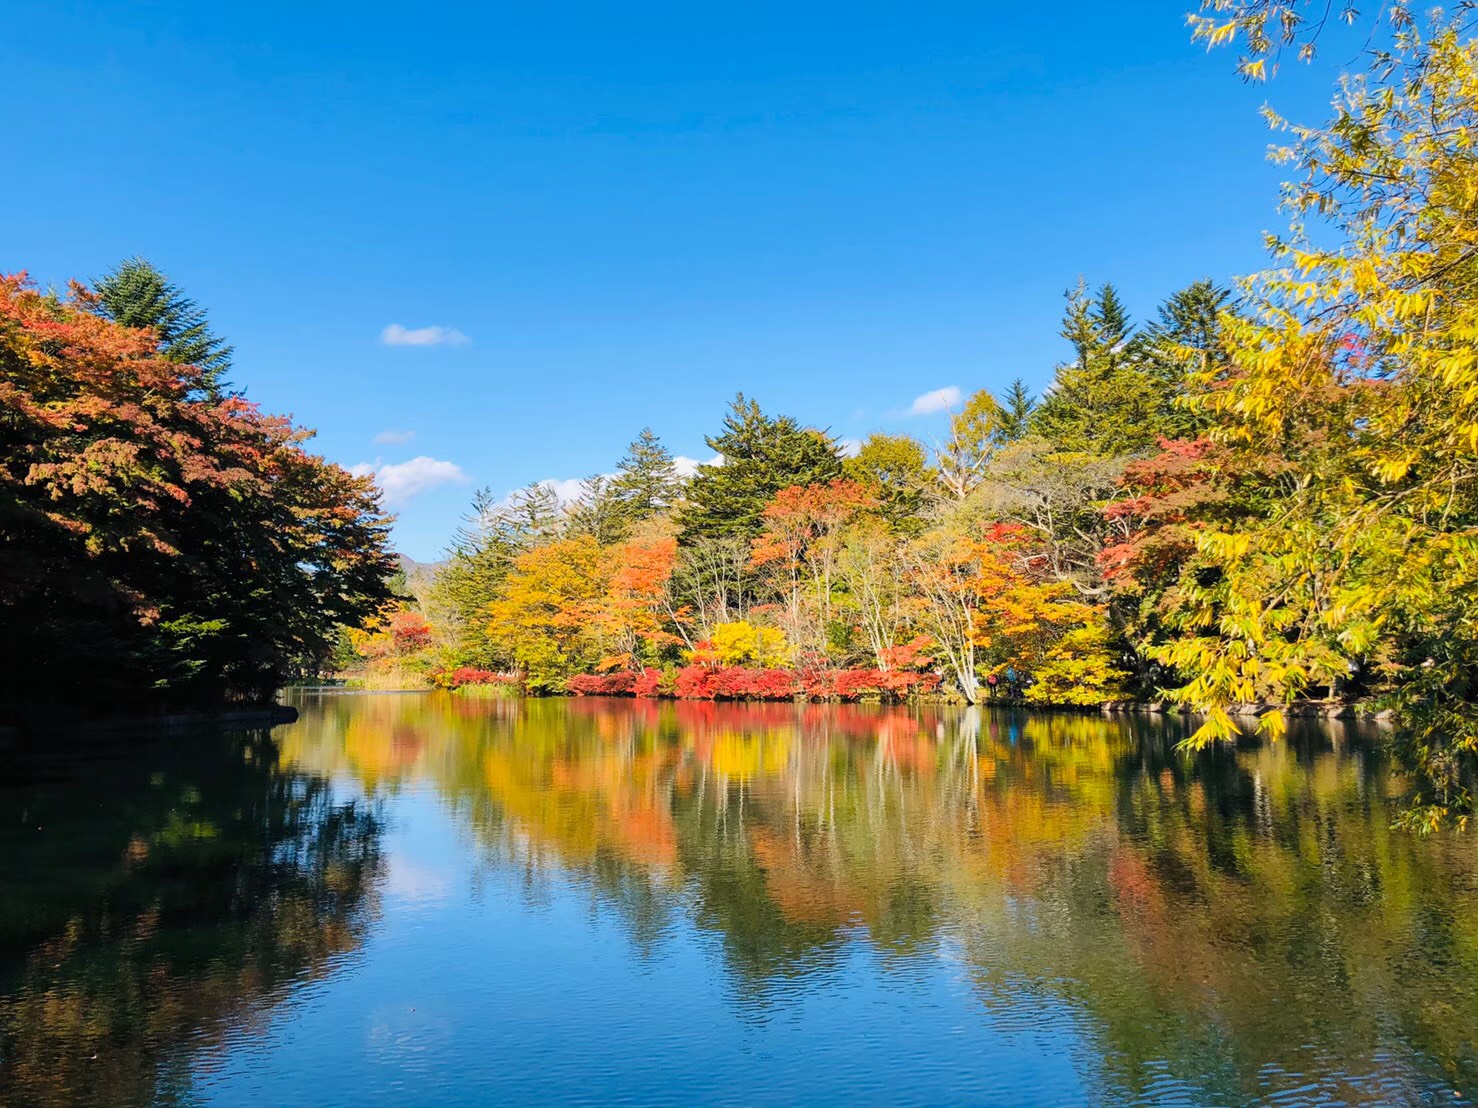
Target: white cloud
(849, 447)
(396, 335)
(393, 437)
(688, 467)
(568, 489)
(403, 481)
(939, 400)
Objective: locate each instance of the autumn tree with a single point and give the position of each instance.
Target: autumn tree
(1354, 361)
(1037, 627)
(1265, 29)
(945, 579)
(713, 581)
(543, 616)
(1057, 493)
(798, 551)
(872, 565)
(961, 461)
(638, 615)
(895, 471)
(161, 543)
(745, 644)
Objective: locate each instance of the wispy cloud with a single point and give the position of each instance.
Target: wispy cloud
(396, 335)
(394, 437)
(938, 400)
(404, 481)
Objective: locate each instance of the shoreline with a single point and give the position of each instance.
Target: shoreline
(1312, 709)
(233, 718)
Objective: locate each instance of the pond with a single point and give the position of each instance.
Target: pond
(418, 898)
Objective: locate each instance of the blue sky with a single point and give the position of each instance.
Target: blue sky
(618, 215)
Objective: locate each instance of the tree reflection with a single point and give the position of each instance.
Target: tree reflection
(1234, 920)
(158, 897)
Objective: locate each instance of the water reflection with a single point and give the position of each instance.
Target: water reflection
(157, 896)
(1240, 924)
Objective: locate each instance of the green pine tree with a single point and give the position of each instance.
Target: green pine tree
(136, 294)
(532, 517)
(761, 455)
(647, 481)
(600, 511)
(1016, 412)
(1112, 320)
(476, 566)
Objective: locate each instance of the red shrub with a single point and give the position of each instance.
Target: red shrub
(602, 684)
(774, 684)
(698, 682)
(693, 683)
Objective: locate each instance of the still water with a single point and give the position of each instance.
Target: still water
(407, 899)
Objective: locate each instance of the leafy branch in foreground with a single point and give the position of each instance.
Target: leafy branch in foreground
(1357, 363)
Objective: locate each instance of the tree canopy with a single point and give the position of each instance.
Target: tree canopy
(162, 543)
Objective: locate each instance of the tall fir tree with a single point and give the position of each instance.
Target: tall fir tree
(600, 511)
(647, 481)
(136, 294)
(532, 516)
(1185, 339)
(760, 456)
(1104, 402)
(1080, 324)
(1016, 409)
(1112, 320)
(475, 568)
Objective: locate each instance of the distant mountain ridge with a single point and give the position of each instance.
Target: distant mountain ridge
(419, 576)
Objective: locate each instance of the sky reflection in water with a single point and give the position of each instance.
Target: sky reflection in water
(427, 899)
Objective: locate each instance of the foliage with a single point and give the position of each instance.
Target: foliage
(894, 469)
(761, 455)
(1355, 365)
(542, 612)
(639, 606)
(175, 545)
(735, 644)
(798, 551)
(135, 294)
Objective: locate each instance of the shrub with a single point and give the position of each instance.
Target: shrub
(470, 675)
(700, 682)
(603, 684)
